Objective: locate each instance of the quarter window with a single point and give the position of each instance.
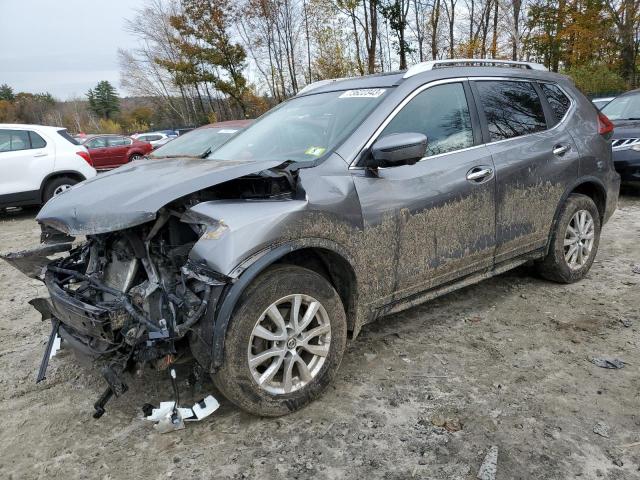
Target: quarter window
(558, 101)
(442, 114)
(37, 141)
(511, 109)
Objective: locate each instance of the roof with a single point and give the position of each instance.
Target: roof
(436, 70)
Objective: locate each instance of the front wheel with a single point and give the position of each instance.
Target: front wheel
(284, 343)
(574, 242)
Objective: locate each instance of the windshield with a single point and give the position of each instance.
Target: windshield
(196, 143)
(304, 128)
(623, 108)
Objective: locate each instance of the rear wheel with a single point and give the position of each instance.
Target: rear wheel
(134, 157)
(57, 186)
(284, 343)
(574, 242)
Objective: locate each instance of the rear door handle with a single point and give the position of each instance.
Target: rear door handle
(41, 154)
(560, 150)
(479, 174)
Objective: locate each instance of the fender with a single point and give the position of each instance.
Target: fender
(233, 292)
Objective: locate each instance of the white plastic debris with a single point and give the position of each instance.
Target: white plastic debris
(55, 347)
(489, 465)
(601, 429)
(166, 421)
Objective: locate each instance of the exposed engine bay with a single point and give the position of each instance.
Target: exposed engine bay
(132, 299)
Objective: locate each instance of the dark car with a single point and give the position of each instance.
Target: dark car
(356, 199)
(624, 112)
(111, 151)
(201, 141)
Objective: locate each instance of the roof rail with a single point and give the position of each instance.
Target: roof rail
(470, 62)
(319, 83)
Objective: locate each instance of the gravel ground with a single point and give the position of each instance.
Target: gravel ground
(422, 394)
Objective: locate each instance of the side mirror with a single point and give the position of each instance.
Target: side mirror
(398, 149)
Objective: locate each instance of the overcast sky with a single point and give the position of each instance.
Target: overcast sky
(63, 47)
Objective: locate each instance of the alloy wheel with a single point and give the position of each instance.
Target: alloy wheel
(289, 344)
(578, 239)
(61, 188)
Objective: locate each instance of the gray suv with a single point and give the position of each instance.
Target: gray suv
(356, 199)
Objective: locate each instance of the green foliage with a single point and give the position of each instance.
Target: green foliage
(106, 125)
(6, 92)
(596, 79)
(103, 100)
(208, 55)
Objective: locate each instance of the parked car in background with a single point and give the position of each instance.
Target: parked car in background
(624, 112)
(170, 133)
(601, 102)
(156, 139)
(355, 199)
(201, 141)
(111, 151)
(39, 162)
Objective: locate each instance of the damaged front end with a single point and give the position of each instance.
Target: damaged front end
(128, 299)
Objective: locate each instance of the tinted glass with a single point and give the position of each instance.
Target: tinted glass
(558, 101)
(512, 109)
(64, 134)
(12, 140)
(442, 114)
(304, 128)
(626, 107)
(37, 141)
(196, 143)
(99, 142)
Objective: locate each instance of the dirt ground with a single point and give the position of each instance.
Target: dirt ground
(504, 363)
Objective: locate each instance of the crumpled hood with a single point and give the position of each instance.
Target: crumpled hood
(132, 194)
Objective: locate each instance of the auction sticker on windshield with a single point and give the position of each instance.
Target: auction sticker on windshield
(363, 93)
(315, 151)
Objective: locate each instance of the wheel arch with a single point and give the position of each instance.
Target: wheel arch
(320, 255)
(58, 174)
(593, 188)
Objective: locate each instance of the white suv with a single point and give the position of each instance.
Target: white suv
(38, 162)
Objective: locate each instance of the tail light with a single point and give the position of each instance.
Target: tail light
(86, 157)
(605, 127)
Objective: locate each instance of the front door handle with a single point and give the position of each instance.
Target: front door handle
(560, 150)
(479, 174)
(41, 154)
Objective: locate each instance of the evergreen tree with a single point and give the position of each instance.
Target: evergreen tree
(103, 100)
(6, 92)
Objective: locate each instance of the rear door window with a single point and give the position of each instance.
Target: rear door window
(511, 108)
(442, 114)
(558, 101)
(99, 142)
(116, 141)
(13, 140)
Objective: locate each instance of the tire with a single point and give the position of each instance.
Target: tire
(55, 186)
(236, 379)
(556, 266)
(134, 157)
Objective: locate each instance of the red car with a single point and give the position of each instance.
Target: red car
(111, 151)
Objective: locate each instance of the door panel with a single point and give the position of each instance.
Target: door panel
(444, 224)
(534, 164)
(99, 152)
(23, 168)
(440, 224)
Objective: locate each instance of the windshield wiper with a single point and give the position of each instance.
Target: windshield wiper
(206, 153)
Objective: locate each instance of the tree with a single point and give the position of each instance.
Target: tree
(6, 92)
(103, 100)
(396, 11)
